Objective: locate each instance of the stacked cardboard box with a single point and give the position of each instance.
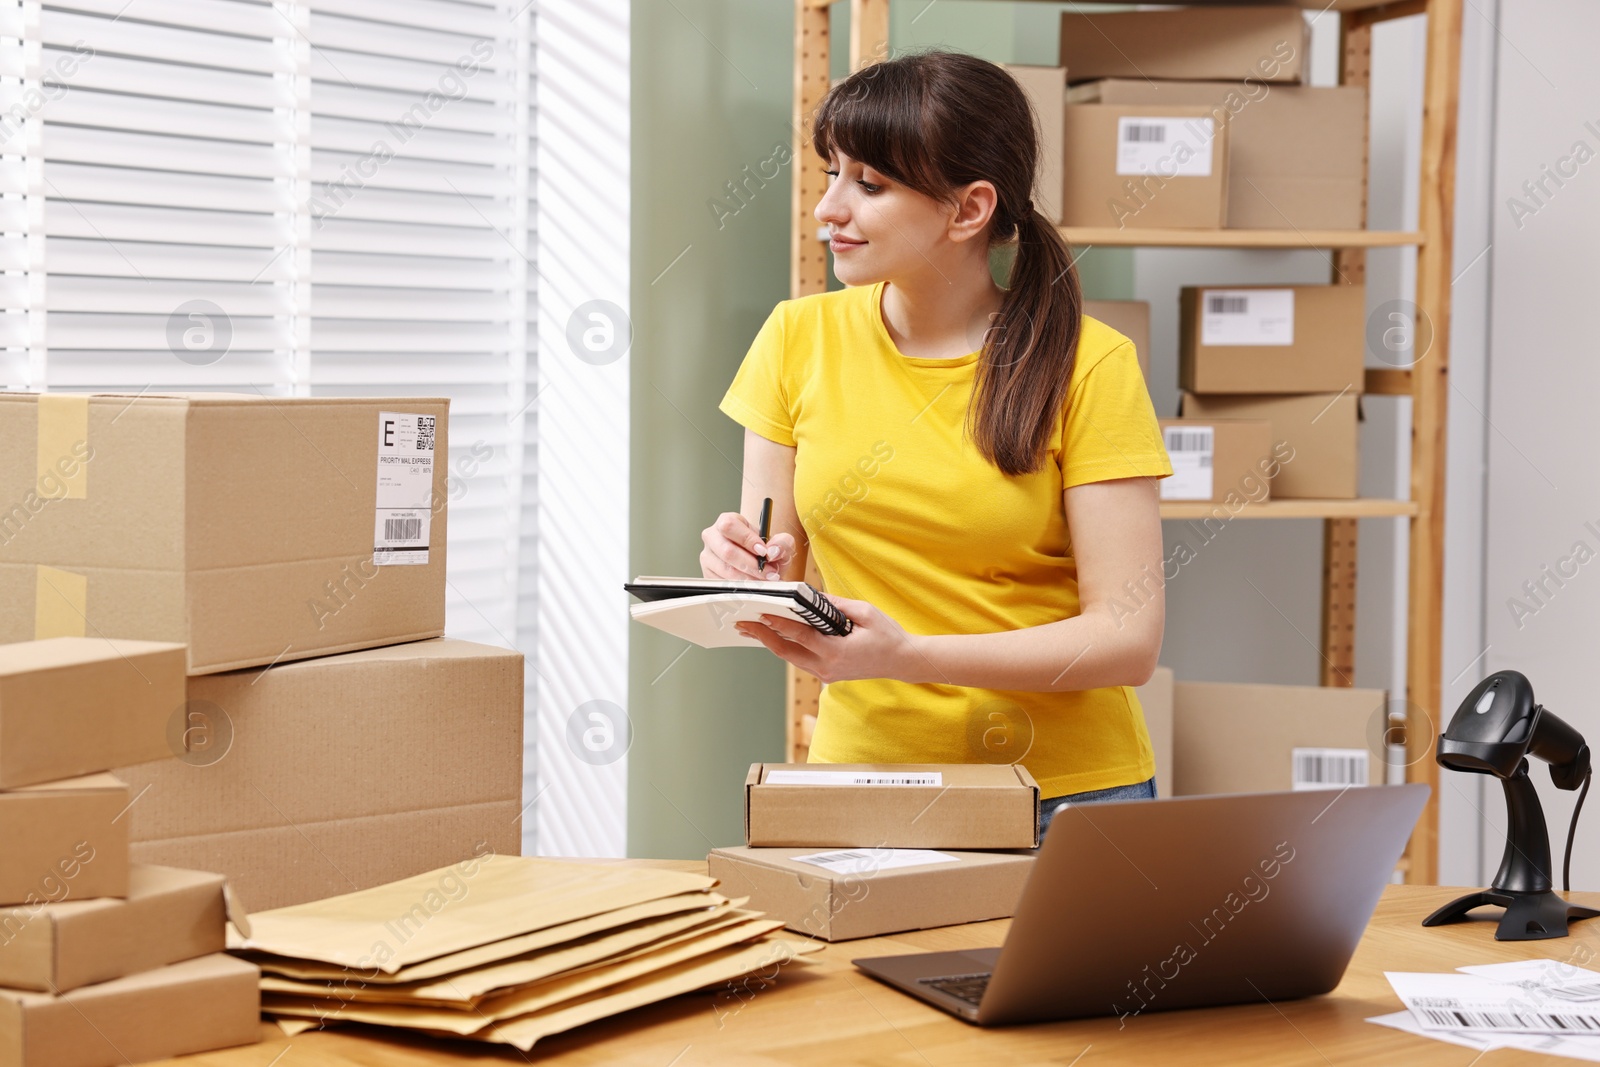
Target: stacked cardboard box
(101, 959)
(1260, 148)
(841, 851)
(326, 739)
(1291, 355)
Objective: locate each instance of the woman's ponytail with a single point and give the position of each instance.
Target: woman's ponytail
(1026, 366)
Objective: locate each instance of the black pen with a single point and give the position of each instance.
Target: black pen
(766, 528)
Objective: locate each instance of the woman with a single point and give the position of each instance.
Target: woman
(974, 467)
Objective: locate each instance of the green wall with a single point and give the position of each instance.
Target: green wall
(712, 84)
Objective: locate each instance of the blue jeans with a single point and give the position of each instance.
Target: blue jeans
(1145, 790)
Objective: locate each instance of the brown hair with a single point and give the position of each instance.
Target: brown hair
(935, 120)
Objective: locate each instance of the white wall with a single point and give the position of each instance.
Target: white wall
(1543, 483)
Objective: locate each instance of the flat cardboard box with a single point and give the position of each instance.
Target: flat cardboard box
(1296, 153)
(1266, 44)
(333, 774)
(1230, 738)
(180, 511)
(1155, 697)
(169, 915)
(912, 805)
(1215, 460)
(75, 705)
(881, 898)
(65, 840)
(1131, 318)
(1321, 461)
(1046, 89)
(1141, 167)
(202, 1004)
(1272, 338)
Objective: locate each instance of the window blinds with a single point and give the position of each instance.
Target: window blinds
(300, 198)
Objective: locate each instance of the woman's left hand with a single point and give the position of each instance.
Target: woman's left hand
(876, 647)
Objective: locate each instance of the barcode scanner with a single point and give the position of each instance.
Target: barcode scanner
(1493, 732)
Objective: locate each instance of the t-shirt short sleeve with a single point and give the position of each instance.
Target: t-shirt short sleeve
(1110, 429)
(759, 396)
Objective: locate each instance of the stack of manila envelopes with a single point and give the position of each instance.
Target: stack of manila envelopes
(505, 949)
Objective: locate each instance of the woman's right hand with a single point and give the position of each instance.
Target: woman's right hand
(732, 543)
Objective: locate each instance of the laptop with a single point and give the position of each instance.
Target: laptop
(1149, 905)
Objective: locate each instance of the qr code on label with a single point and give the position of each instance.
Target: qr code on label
(425, 432)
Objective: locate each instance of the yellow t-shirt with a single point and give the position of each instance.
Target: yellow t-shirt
(903, 511)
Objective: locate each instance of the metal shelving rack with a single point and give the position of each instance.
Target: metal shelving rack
(1426, 382)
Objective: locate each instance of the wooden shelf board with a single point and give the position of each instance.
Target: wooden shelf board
(1289, 239)
(1367, 508)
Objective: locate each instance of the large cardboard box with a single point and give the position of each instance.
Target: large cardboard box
(1321, 461)
(891, 805)
(868, 892)
(253, 529)
(1296, 154)
(1046, 89)
(1131, 318)
(64, 840)
(1215, 459)
(1266, 44)
(1230, 738)
(74, 705)
(1155, 697)
(195, 1006)
(1272, 338)
(169, 915)
(1139, 167)
(329, 775)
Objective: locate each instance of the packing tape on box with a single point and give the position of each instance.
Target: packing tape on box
(63, 473)
(59, 601)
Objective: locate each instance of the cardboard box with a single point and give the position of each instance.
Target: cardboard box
(276, 866)
(1272, 338)
(900, 805)
(1139, 167)
(1296, 154)
(208, 1003)
(1231, 738)
(1131, 318)
(160, 517)
(869, 895)
(1267, 44)
(64, 840)
(1155, 697)
(1046, 89)
(1321, 461)
(1214, 460)
(329, 775)
(74, 705)
(169, 915)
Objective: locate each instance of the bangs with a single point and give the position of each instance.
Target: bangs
(876, 117)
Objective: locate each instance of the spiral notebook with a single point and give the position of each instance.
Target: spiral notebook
(704, 610)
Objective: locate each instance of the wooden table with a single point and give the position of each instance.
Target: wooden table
(825, 1012)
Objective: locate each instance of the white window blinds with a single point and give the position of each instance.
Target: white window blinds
(307, 197)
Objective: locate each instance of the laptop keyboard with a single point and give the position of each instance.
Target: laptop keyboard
(967, 987)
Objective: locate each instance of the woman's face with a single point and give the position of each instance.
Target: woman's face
(880, 229)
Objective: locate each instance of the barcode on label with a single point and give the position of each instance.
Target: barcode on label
(836, 778)
(425, 433)
(1329, 768)
(1144, 133)
(1196, 439)
(847, 856)
(402, 529)
(1228, 305)
(1535, 1021)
